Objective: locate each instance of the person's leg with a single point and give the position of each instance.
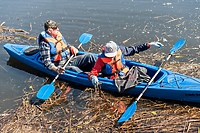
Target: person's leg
(85, 62)
(69, 66)
(74, 68)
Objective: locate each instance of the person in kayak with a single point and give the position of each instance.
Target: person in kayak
(111, 62)
(55, 51)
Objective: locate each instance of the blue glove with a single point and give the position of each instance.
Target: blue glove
(94, 80)
(157, 44)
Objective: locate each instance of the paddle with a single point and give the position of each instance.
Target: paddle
(46, 90)
(132, 108)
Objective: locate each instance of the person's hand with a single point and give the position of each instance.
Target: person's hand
(73, 50)
(156, 44)
(94, 80)
(59, 70)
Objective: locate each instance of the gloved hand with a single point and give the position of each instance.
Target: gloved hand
(157, 44)
(59, 70)
(73, 50)
(94, 80)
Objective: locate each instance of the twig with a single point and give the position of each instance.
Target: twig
(3, 68)
(30, 26)
(2, 24)
(144, 29)
(125, 41)
(173, 19)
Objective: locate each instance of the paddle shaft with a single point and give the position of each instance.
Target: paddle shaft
(66, 63)
(149, 83)
(132, 108)
(176, 46)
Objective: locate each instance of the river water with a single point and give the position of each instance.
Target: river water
(126, 22)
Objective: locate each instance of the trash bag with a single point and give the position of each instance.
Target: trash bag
(133, 77)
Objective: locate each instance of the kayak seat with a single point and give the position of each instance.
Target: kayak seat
(31, 50)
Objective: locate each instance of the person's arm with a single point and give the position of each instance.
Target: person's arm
(73, 50)
(46, 56)
(96, 69)
(131, 50)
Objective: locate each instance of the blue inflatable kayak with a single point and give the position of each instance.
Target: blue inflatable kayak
(167, 85)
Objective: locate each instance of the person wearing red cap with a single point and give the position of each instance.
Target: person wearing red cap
(55, 51)
(111, 62)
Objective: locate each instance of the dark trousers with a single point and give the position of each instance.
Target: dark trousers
(81, 63)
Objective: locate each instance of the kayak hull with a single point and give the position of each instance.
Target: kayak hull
(168, 85)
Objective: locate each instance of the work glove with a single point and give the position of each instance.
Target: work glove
(73, 50)
(94, 80)
(157, 44)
